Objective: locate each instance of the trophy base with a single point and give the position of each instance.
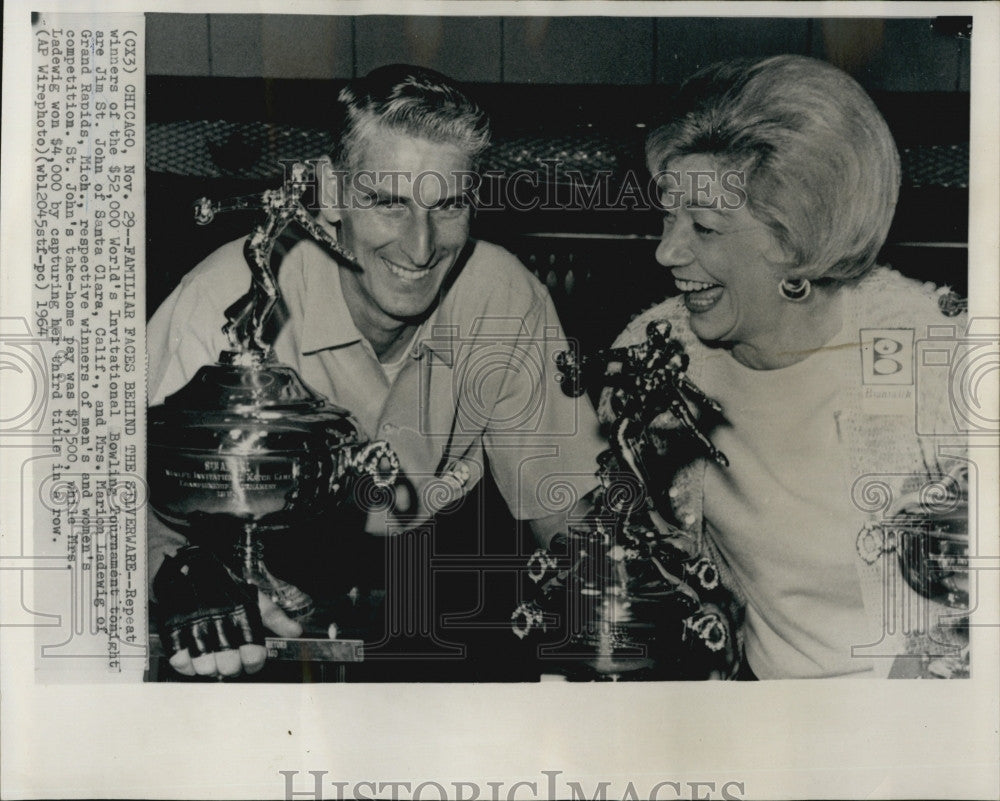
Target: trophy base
(287, 597)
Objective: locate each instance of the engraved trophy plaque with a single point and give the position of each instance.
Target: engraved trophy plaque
(246, 451)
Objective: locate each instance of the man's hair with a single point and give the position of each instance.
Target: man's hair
(411, 100)
(821, 167)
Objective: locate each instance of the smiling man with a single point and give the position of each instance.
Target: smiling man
(439, 344)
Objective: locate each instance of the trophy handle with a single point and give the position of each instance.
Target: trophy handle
(378, 461)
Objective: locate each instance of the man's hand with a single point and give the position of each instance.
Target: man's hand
(248, 658)
(210, 623)
(545, 528)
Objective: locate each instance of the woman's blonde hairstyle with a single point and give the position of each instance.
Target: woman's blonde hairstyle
(821, 167)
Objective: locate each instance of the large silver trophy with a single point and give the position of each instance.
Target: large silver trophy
(628, 594)
(246, 451)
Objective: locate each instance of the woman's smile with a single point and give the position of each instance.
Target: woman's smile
(699, 296)
(727, 263)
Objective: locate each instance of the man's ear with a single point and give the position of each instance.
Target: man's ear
(330, 190)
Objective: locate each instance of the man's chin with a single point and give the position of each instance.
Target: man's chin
(410, 313)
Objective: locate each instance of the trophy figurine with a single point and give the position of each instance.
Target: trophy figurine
(624, 594)
(246, 451)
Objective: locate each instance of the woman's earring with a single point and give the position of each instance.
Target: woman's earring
(796, 290)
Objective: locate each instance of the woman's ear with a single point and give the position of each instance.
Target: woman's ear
(329, 190)
(781, 256)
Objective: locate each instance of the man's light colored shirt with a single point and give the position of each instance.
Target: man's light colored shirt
(478, 379)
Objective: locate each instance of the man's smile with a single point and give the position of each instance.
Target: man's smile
(406, 273)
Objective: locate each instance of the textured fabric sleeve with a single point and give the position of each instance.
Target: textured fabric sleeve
(944, 412)
(913, 455)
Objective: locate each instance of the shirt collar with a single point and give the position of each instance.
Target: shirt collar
(327, 321)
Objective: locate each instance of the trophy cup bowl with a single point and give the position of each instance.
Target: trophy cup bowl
(624, 624)
(247, 449)
(633, 596)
